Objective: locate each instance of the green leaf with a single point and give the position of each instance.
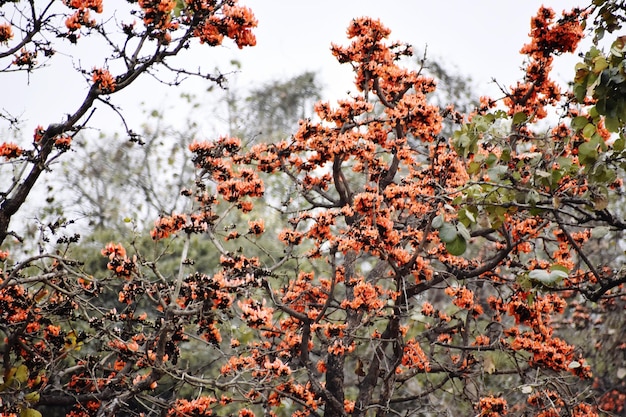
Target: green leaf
(456, 247)
(564, 162)
(589, 130)
(491, 159)
(519, 118)
(587, 152)
(29, 412)
(21, 374)
(447, 232)
(559, 267)
(473, 167)
(546, 277)
(599, 64)
(557, 174)
(180, 5)
(437, 222)
(540, 275)
(497, 172)
(506, 155)
(533, 197)
(579, 122)
(612, 124)
(558, 275)
(580, 91)
(463, 232)
(32, 397)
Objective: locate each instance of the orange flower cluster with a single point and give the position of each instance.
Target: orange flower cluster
(368, 34)
(235, 22)
(492, 407)
(245, 183)
(81, 16)
(200, 406)
(25, 58)
(104, 80)
(278, 367)
(464, 298)
(548, 351)
(375, 67)
(119, 263)
(302, 295)
(79, 19)
(366, 297)
(414, 357)
(10, 150)
(293, 390)
(166, 226)
(256, 314)
(157, 15)
(614, 402)
(549, 38)
(215, 159)
(6, 33)
(63, 142)
(95, 5)
(38, 134)
(482, 340)
(237, 364)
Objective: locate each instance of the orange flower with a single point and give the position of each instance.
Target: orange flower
(348, 406)
(10, 150)
(6, 33)
(165, 226)
(113, 250)
(256, 227)
(427, 309)
(63, 142)
(104, 80)
(25, 59)
(492, 407)
(200, 406)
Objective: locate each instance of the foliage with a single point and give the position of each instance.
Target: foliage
(411, 273)
(277, 106)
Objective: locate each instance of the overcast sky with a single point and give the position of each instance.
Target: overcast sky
(479, 38)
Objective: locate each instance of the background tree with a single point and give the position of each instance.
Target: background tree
(383, 310)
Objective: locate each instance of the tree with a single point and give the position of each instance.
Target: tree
(167, 28)
(136, 40)
(369, 302)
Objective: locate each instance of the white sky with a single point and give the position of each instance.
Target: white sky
(480, 38)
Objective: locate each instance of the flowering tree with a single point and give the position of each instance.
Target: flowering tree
(165, 30)
(135, 40)
(413, 274)
(373, 307)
